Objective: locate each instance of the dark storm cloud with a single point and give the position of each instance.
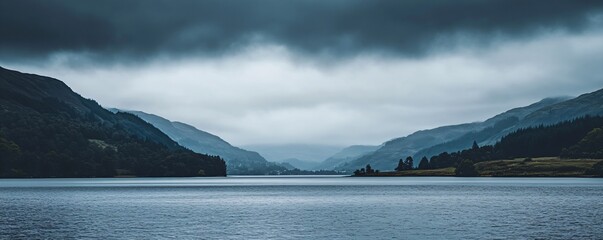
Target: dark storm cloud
(138, 29)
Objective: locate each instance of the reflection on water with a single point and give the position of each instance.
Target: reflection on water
(301, 208)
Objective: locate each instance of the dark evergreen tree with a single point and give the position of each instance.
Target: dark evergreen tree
(424, 163)
(474, 146)
(369, 169)
(408, 163)
(442, 160)
(400, 166)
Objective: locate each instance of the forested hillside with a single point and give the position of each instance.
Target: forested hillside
(579, 138)
(47, 130)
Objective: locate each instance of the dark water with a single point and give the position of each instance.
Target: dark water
(302, 208)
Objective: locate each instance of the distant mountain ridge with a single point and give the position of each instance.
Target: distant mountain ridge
(305, 152)
(297, 163)
(585, 104)
(239, 161)
(447, 138)
(345, 155)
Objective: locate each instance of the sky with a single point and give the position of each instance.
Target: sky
(310, 72)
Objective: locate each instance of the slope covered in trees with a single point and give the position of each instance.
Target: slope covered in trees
(588, 104)
(452, 138)
(579, 138)
(47, 130)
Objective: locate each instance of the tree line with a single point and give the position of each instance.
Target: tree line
(366, 171)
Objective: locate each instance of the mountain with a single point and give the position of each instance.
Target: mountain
(482, 137)
(574, 139)
(239, 161)
(585, 104)
(47, 130)
(287, 166)
(305, 152)
(388, 155)
(345, 155)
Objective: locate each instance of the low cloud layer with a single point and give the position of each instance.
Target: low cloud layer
(310, 72)
(267, 96)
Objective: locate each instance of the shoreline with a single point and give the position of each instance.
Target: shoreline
(520, 167)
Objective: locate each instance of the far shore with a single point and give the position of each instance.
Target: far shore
(520, 167)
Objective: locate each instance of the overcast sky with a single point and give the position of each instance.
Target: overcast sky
(310, 72)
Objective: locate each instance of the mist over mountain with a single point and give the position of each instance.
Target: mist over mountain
(303, 152)
(299, 164)
(345, 155)
(585, 104)
(47, 130)
(239, 161)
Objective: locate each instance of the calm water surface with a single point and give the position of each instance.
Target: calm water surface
(302, 208)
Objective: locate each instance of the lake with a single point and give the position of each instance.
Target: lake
(314, 207)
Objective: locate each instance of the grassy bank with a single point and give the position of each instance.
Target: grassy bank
(429, 172)
(536, 167)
